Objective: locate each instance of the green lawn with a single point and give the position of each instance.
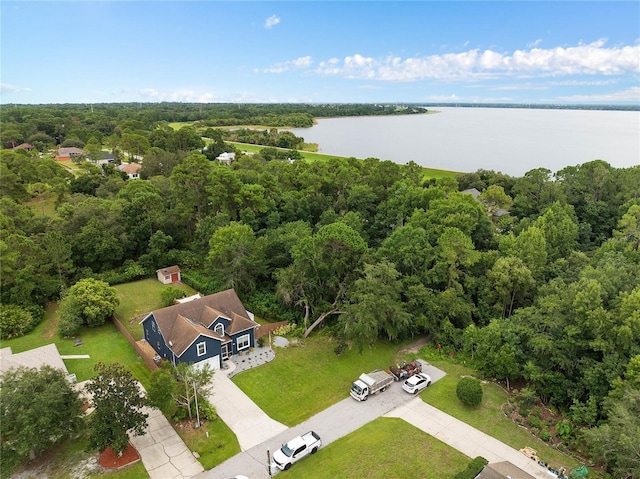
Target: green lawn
(384, 448)
(487, 417)
(102, 344)
(313, 377)
(215, 449)
(141, 297)
(310, 156)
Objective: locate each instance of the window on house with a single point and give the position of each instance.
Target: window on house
(202, 349)
(243, 342)
(153, 326)
(167, 277)
(219, 329)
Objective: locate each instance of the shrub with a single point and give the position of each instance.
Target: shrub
(473, 469)
(262, 341)
(15, 321)
(285, 329)
(469, 391)
(545, 435)
(201, 282)
(170, 294)
(526, 398)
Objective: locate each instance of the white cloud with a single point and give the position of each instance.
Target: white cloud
(534, 43)
(583, 59)
(298, 63)
(630, 94)
(272, 21)
(7, 88)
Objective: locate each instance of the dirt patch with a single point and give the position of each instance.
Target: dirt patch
(414, 347)
(110, 460)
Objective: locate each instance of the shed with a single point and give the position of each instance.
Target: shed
(169, 275)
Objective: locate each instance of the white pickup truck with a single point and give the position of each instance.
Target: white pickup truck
(296, 449)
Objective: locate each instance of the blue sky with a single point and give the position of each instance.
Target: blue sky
(332, 51)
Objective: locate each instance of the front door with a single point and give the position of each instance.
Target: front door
(226, 351)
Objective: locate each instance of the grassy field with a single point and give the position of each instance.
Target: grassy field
(384, 448)
(310, 156)
(215, 449)
(487, 417)
(313, 376)
(102, 344)
(141, 297)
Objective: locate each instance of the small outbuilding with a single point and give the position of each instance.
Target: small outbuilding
(169, 275)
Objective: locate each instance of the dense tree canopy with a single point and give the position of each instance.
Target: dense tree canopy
(38, 407)
(538, 279)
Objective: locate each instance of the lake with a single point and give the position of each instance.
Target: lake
(510, 140)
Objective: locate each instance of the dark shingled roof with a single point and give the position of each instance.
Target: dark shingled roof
(182, 323)
(503, 470)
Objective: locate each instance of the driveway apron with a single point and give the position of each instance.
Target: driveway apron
(162, 451)
(463, 437)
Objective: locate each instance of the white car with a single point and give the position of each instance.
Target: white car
(417, 383)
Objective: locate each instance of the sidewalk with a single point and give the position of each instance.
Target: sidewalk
(248, 422)
(163, 452)
(463, 437)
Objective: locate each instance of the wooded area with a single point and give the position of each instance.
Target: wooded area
(537, 280)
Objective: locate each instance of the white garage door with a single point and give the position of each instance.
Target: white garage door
(214, 363)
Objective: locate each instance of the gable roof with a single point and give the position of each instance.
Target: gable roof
(181, 324)
(33, 358)
(503, 470)
(72, 150)
(23, 146)
(130, 167)
(169, 270)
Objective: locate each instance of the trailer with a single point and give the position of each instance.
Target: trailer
(368, 384)
(405, 370)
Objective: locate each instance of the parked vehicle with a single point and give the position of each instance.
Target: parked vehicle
(296, 449)
(417, 383)
(405, 370)
(368, 384)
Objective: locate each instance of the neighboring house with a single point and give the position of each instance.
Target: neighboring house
(131, 169)
(23, 146)
(503, 470)
(104, 159)
(34, 358)
(475, 193)
(226, 158)
(66, 154)
(169, 275)
(203, 331)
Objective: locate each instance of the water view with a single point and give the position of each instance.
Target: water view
(509, 140)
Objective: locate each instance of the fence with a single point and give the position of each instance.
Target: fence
(265, 329)
(148, 361)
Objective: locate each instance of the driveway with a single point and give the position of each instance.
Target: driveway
(249, 423)
(331, 424)
(463, 437)
(163, 453)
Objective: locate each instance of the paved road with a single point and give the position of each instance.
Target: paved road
(331, 424)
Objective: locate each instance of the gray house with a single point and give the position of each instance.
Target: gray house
(207, 330)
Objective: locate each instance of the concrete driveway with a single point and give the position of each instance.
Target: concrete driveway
(331, 424)
(249, 423)
(162, 451)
